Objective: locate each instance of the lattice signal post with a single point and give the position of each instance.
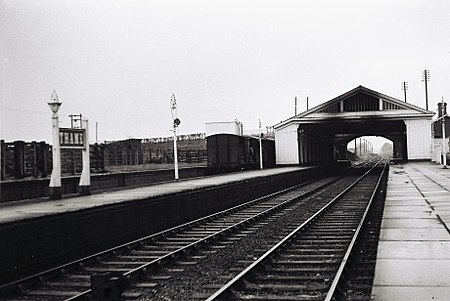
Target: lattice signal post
(176, 123)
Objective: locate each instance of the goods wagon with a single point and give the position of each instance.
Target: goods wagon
(228, 152)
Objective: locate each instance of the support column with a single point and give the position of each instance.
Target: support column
(84, 187)
(342, 152)
(398, 150)
(307, 150)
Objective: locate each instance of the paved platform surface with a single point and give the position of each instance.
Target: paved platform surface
(31, 208)
(413, 260)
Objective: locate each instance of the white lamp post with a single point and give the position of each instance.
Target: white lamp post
(55, 180)
(260, 147)
(176, 123)
(85, 178)
(444, 150)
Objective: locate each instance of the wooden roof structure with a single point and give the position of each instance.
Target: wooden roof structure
(359, 103)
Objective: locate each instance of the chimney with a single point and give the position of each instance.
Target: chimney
(440, 109)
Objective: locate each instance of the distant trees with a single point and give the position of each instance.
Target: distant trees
(386, 150)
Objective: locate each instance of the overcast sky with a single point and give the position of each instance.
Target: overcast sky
(118, 62)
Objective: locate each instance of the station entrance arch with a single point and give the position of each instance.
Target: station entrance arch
(321, 134)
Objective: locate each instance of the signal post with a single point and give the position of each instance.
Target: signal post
(176, 123)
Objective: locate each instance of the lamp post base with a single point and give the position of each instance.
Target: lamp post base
(84, 190)
(54, 193)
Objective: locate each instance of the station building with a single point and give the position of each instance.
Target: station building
(321, 134)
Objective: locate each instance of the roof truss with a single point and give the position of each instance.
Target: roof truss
(362, 99)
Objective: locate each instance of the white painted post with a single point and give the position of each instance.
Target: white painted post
(55, 180)
(84, 187)
(260, 147)
(444, 149)
(260, 154)
(176, 123)
(175, 151)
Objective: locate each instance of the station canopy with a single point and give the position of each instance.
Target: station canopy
(358, 112)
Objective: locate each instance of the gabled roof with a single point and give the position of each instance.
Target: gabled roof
(358, 103)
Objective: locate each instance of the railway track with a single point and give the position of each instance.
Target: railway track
(138, 264)
(73, 281)
(309, 262)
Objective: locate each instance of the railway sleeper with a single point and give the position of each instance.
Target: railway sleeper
(157, 252)
(300, 250)
(78, 284)
(299, 270)
(338, 222)
(246, 213)
(329, 231)
(195, 234)
(216, 227)
(327, 237)
(309, 262)
(52, 293)
(138, 257)
(185, 239)
(308, 256)
(306, 277)
(161, 247)
(289, 297)
(331, 227)
(166, 245)
(124, 263)
(318, 244)
(284, 287)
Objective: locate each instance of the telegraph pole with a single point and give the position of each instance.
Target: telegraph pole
(360, 150)
(404, 88)
(307, 103)
(295, 111)
(426, 79)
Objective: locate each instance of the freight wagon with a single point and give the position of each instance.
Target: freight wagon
(228, 152)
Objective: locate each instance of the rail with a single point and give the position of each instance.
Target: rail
(152, 264)
(225, 291)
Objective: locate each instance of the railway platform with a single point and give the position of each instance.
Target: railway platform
(413, 257)
(40, 207)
